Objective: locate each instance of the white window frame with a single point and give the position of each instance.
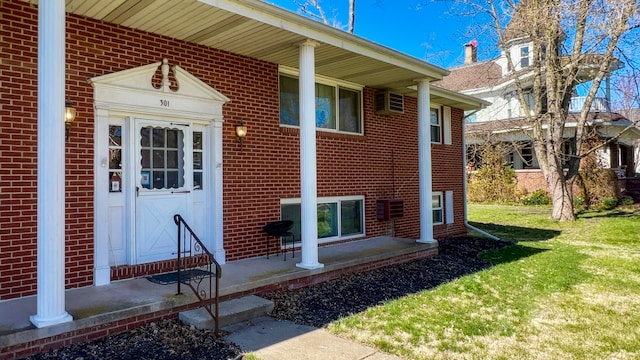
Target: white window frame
(524, 58)
(337, 85)
(438, 125)
(440, 195)
(337, 200)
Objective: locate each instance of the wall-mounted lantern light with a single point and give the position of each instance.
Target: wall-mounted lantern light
(69, 116)
(241, 131)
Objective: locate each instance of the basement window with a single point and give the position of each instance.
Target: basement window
(338, 217)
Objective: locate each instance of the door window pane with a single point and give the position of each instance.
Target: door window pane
(172, 159)
(162, 160)
(115, 158)
(198, 165)
(172, 139)
(158, 137)
(197, 140)
(145, 135)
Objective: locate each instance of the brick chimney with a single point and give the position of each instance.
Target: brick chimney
(471, 52)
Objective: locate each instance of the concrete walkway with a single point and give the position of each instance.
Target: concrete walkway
(270, 339)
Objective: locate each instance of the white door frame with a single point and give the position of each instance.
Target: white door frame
(129, 93)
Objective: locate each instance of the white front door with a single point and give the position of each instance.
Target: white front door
(163, 178)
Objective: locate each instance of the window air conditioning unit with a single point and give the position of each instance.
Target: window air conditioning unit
(389, 209)
(388, 103)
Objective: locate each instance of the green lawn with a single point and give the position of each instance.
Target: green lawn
(563, 291)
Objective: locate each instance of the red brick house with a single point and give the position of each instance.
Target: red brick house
(334, 123)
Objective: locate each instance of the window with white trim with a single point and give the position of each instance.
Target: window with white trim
(338, 108)
(115, 158)
(338, 217)
(436, 126)
(524, 57)
(437, 208)
(198, 161)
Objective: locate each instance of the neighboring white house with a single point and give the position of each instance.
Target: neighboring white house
(504, 120)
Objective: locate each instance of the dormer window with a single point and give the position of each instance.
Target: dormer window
(524, 57)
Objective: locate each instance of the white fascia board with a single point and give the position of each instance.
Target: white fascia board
(458, 97)
(289, 21)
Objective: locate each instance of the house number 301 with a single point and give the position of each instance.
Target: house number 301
(164, 103)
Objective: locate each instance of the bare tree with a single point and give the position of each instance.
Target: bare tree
(314, 10)
(573, 42)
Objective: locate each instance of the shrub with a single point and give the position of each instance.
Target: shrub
(493, 181)
(597, 184)
(608, 204)
(538, 197)
(627, 201)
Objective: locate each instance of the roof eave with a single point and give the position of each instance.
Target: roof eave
(292, 22)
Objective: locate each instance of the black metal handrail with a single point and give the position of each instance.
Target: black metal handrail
(192, 256)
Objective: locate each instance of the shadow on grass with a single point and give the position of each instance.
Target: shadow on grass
(510, 253)
(321, 304)
(516, 233)
(592, 214)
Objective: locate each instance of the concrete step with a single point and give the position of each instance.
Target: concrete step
(231, 312)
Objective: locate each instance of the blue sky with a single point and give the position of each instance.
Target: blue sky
(424, 29)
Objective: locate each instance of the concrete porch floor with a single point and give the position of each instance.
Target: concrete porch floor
(92, 307)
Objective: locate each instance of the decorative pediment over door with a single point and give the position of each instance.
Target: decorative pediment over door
(158, 89)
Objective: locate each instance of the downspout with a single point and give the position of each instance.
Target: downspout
(464, 183)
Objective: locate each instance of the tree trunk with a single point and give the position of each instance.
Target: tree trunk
(561, 194)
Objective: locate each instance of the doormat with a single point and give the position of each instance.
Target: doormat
(172, 277)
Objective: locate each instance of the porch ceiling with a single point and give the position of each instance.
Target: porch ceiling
(260, 30)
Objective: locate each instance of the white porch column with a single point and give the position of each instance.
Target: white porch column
(308, 178)
(102, 270)
(216, 210)
(424, 162)
(51, 172)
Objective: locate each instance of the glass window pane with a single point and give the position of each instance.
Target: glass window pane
(158, 179)
(158, 138)
(158, 159)
(351, 217)
(145, 162)
(115, 181)
(197, 140)
(197, 181)
(327, 220)
(172, 180)
(172, 139)
(115, 135)
(437, 216)
(435, 201)
(197, 160)
(172, 159)
(325, 106)
(434, 117)
(435, 133)
(289, 101)
(292, 212)
(145, 133)
(349, 111)
(115, 158)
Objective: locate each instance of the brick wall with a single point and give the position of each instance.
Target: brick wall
(382, 163)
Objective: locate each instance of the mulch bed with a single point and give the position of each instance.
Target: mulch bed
(316, 305)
